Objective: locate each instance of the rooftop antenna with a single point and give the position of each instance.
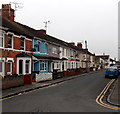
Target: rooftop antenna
(86, 44)
(16, 6)
(46, 24)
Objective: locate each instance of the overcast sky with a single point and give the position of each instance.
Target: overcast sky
(75, 20)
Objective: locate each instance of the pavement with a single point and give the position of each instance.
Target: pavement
(113, 97)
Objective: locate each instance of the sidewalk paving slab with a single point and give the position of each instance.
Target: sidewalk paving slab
(114, 97)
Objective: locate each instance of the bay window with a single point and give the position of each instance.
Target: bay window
(43, 65)
(23, 65)
(9, 71)
(1, 68)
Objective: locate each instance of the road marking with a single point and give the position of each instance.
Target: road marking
(102, 94)
(10, 97)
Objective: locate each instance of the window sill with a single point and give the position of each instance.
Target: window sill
(42, 70)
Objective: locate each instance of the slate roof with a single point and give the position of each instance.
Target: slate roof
(15, 27)
(20, 29)
(105, 57)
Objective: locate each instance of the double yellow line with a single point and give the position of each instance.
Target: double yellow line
(102, 94)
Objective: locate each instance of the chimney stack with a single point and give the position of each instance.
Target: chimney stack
(7, 12)
(72, 43)
(42, 31)
(79, 45)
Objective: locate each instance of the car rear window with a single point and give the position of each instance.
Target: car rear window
(111, 69)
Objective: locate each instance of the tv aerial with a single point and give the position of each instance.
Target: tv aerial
(46, 24)
(16, 5)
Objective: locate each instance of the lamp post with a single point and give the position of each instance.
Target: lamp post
(86, 56)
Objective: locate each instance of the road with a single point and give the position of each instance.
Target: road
(76, 95)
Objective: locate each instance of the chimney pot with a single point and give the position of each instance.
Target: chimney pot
(42, 31)
(79, 45)
(72, 43)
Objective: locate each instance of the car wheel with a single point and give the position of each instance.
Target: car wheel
(105, 76)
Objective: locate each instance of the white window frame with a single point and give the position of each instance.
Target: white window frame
(3, 68)
(24, 66)
(44, 66)
(54, 50)
(23, 37)
(28, 66)
(11, 64)
(12, 39)
(57, 65)
(3, 38)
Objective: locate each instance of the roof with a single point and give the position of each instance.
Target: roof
(20, 29)
(103, 56)
(15, 27)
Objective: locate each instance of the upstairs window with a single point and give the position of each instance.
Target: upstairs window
(38, 46)
(54, 51)
(10, 40)
(46, 45)
(22, 43)
(1, 39)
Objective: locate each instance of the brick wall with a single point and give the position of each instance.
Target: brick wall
(28, 45)
(12, 81)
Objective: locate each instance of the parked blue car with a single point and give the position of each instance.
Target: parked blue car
(111, 72)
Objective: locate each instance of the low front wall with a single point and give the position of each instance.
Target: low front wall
(12, 81)
(75, 71)
(43, 77)
(57, 75)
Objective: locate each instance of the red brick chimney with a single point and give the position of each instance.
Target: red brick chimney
(7, 12)
(79, 45)
(42, 31)
(72, 43)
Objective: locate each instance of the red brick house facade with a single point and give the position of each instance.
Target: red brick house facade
(16, 56)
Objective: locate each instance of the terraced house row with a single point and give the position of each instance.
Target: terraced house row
(28, 55)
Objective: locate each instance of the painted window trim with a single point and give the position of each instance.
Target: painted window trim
(24, 67)
(54, 50)
(3, 72)
(28, 65)
(15, 50)
(45, 66)
(23, 37)
(3, 36)
(10, 59)
(12, 39)
(10, 73)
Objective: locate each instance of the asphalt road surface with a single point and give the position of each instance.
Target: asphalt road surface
(76, 95)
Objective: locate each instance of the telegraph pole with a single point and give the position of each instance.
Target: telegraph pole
(86, 56)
